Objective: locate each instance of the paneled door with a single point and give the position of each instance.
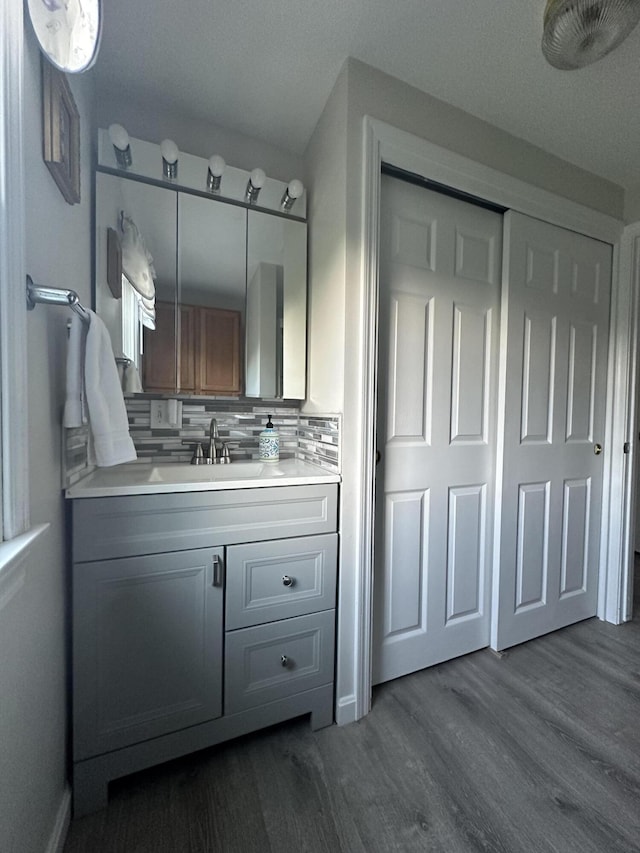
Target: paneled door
(440, 273)
(555, 368)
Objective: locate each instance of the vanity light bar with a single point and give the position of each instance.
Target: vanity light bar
(211, 175)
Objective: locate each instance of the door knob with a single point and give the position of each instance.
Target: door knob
(287, 581)
(597, 449)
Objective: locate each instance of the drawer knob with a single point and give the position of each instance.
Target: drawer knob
(284, 660)
(287, 581)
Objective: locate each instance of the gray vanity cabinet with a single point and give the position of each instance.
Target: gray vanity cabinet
(147, 648)
(197, 617)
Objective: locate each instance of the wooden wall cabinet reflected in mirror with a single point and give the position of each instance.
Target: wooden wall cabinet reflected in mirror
(208, 358)
(231, 292)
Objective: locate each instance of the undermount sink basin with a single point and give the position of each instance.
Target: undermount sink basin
(179, 473)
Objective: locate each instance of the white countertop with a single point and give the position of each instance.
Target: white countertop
(141, 478)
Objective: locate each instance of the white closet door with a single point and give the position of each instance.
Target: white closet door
(439, 295)
(556, 314)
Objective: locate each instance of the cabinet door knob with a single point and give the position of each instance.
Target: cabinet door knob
(284, 660)
(287, 581)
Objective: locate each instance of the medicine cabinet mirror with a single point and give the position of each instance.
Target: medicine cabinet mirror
(230, 292)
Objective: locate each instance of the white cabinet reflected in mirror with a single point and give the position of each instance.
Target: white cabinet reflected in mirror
(230, 292)
(276, 306)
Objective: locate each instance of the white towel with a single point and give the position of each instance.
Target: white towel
(107, 412)
(131, 379)
(75, 406)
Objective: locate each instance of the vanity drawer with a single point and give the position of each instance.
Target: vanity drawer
(267, 581)
(110, 527)
(274, 661)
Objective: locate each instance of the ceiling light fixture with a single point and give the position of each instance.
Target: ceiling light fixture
(293, 191)
(254, 185)
(579, 32)
(214, 173)
(169, 151)
(121, 145)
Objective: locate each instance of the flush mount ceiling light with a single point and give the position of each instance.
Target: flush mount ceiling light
(579, 32)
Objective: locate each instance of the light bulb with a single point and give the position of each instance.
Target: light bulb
(254, 185)
(293, 191)
(214, 173)
(118, 136)
(169, 150)
(121, 147)
(258, 178)
(216, 165)
(295, 188)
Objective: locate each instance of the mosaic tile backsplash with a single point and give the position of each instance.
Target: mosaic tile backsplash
(309, 438)
(239, 425)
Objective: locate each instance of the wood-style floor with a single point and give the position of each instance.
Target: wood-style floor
(536, 751)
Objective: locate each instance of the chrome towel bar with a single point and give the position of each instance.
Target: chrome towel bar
(37, 293)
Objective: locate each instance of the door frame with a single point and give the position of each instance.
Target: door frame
(383, 142)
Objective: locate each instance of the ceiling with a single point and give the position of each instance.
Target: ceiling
(266, 68)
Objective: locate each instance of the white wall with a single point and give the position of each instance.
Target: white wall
(632, 204)
(326, 172)
(154, 123)
(33, 634)
(360, 91)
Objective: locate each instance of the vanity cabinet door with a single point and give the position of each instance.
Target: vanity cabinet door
(147, 648)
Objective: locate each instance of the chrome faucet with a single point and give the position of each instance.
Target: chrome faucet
(214, 442)
(218, 453)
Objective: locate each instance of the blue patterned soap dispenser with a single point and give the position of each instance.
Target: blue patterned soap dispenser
(269, 443)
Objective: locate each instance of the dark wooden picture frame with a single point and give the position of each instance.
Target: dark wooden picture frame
(60, 132)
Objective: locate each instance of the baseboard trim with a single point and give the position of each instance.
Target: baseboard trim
(346, 710)
(61, 826)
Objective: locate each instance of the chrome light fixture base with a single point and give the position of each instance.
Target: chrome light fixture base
(169, 170)
(124, 158)
(254, 185)
(213, 182)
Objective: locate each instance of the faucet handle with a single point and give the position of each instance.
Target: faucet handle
(198, 457)
(224, 458)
